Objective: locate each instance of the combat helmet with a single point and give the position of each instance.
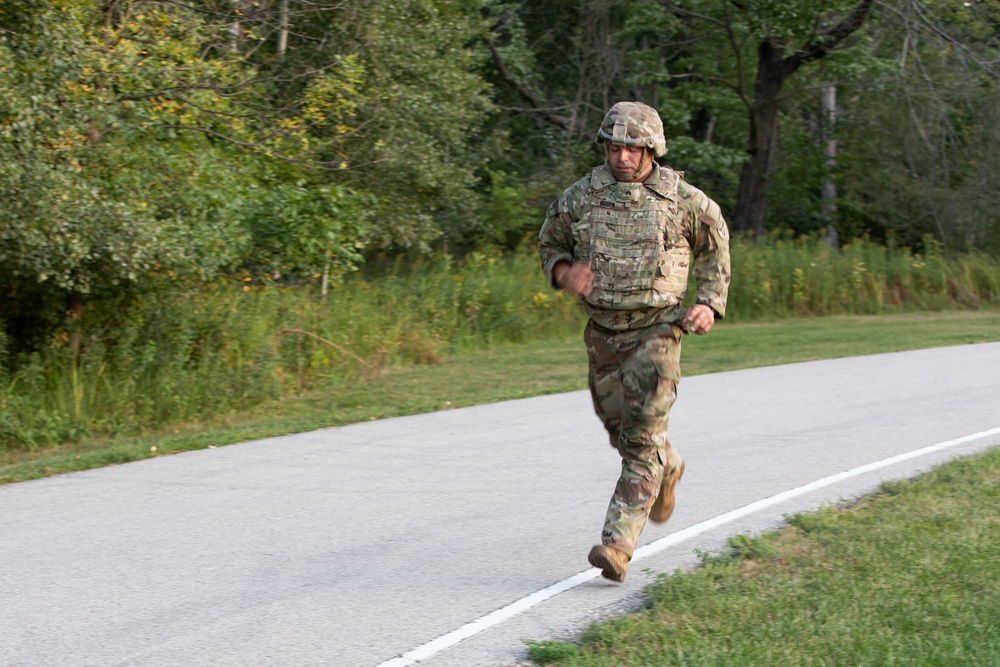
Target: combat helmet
(633, 124)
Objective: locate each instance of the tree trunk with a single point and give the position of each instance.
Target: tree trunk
(282, 28)
(772, 70)
(762, 142)
(325, 285)
(74, 307)
(828, 188)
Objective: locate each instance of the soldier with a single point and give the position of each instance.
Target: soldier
(622, 239)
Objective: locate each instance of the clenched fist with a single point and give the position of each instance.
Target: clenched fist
(574, 278)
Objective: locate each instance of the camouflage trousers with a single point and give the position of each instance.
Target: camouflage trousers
(633, 382)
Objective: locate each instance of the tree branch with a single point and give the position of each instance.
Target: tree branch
(682, 11)
(329, 165)
(830, 39)
(921, 12)
(536, 103)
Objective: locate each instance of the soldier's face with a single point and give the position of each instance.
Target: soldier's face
(629, 163)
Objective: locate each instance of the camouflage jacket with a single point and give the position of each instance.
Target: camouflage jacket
(640, 240)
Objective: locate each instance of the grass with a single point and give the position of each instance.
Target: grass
(515, 370)
(907, 576)
(177, 353)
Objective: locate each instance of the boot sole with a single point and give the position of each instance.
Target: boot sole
(606, 567)
(661, 512)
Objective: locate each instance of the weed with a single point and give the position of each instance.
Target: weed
(175, 357)
(545, 652)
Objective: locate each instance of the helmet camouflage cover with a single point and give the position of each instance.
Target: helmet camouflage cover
(633, 124)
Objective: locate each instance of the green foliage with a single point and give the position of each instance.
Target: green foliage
(749, 547)
(814, 522)
(414, 146)
(165, 356)
(508, 213)
(893, 487)
(793, 23)
(302, 230)
(144, 142)
(794, 196)
(806, 277)
(919, 152)
(740, 547)
(181, 355)
(82, 209)
(136, 149)
(550, 651)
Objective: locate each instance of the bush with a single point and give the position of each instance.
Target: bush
(210, 350)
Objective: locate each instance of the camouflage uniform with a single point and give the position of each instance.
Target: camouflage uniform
(640, 239)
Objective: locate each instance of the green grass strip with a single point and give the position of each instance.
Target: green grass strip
(907, 576)
(542, 365)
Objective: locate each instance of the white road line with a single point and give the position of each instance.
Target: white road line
(497, 617)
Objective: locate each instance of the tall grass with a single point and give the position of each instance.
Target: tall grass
(225, 347)
(233, 345)
(782, 278)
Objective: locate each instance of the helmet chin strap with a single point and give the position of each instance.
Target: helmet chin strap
(647, 158)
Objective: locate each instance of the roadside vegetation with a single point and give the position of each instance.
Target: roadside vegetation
(209, 354)
(209, 208)
(906, 576)
(535, 366)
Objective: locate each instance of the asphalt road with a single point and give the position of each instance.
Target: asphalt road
(360, 546)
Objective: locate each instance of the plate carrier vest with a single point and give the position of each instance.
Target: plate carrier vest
(633, 237)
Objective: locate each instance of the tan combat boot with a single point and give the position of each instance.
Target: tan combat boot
(612, 562)
(663, 506)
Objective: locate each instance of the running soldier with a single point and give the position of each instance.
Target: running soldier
(623, 239)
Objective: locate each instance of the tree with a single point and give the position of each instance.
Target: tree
(415, 140)
(919, 153)
(124, 131)
(298, 229)
(697, 63)
(771, 41)
(558, 67)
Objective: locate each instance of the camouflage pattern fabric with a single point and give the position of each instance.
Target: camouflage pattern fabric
(638, 258)
(641, 241)
(633, 383)
(633, 124)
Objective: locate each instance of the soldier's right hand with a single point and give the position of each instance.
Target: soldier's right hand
(574, 278)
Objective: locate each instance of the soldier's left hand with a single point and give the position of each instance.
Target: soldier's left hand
(699, 319)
